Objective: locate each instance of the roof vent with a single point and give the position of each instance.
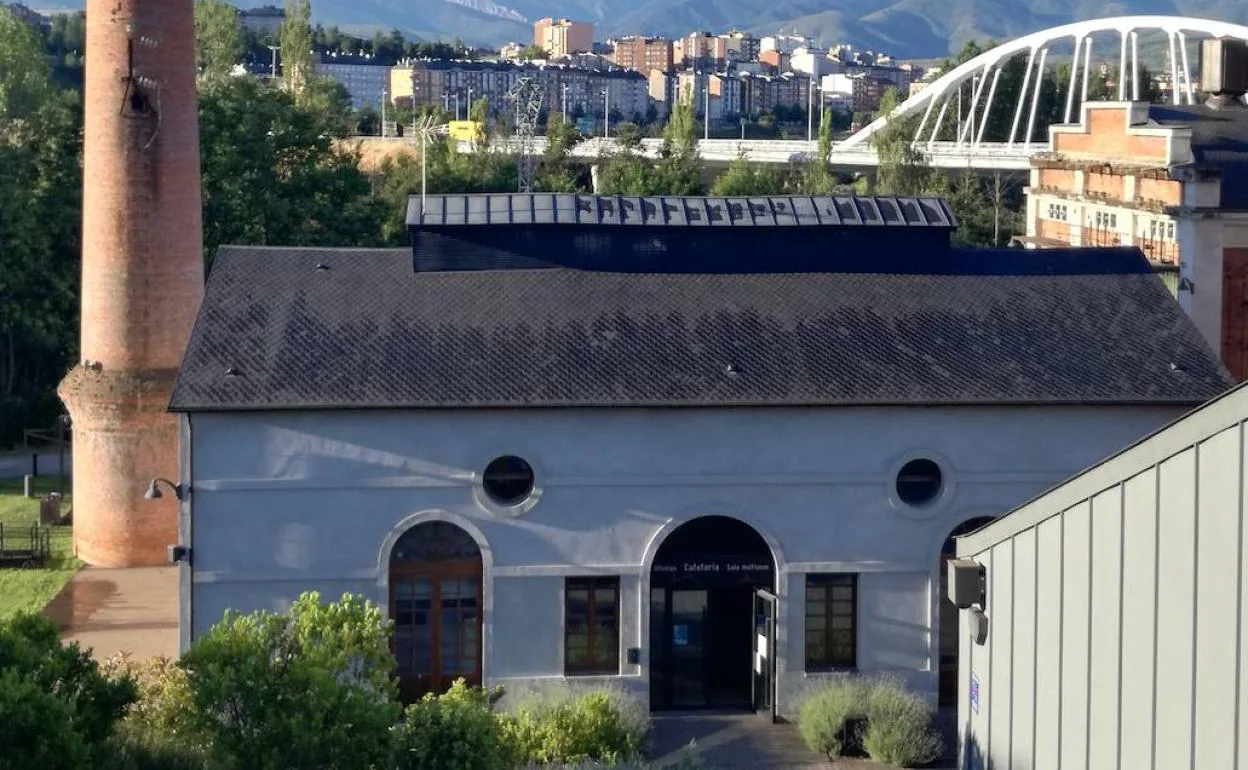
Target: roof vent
(1224, 70)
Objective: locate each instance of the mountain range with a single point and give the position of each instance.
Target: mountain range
(904, 28)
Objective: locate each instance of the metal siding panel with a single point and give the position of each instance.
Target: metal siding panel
(1106, 596)
(1242, 608)
(979, 735)
(1177, 533)
(1076, 603)
(1139, 612)
(1023, 667)
(1048, 642)
(999, 696)
(1217, 648)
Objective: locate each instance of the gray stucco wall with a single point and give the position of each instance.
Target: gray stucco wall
(286, 502)
(1115, 611)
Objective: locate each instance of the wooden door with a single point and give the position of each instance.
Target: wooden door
(435, 603)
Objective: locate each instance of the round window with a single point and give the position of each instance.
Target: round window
(508, 479)
(919, 482)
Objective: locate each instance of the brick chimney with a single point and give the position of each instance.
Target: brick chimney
(142, 274)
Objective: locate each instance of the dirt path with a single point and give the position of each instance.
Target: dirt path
(116, 610)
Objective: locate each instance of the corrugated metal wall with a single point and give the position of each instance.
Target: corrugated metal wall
(1116, 613)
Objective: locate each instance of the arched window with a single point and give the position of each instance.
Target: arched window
(435, 603)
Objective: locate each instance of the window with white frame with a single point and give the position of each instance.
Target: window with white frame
(1058, 211)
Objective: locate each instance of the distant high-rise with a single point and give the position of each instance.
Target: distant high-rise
(643, 54)
(560, 37)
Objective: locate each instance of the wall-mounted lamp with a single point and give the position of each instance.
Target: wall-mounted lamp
(1185, 284)
(153, 489)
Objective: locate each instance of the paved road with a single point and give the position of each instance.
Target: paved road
(16, 465)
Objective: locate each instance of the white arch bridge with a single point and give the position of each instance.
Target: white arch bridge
(952, 114)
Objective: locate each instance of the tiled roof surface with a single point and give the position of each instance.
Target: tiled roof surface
(1219, 140)
(290, 328)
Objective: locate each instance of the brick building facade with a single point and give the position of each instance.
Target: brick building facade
(1170, 180)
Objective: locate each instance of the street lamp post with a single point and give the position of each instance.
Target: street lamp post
(706, 114)
(565, 102)
(810, 111)
(456, 95)
(606, 112)
(274, 49)
(468, 107)
(383, 112)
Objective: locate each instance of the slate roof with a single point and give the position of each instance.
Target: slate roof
(678, 211)
(302, 328)
(1219, 141)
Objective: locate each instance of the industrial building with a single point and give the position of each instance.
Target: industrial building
(1108, 614)
(628, 440)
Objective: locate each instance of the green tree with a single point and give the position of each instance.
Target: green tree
(903, 168)
(40, 230)
(57, 710)
(314, 688)
(448, 171)
(531, 52)
(557, 172)
(743, 178)
(818, 177)
(679, 170)
(298, 63)
(219, 44)
(273, 173)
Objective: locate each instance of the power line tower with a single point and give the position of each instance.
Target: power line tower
(526, 98)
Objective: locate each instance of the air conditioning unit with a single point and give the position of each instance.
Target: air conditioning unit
(1224, 66)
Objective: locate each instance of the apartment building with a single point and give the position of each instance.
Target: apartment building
(741, 46)
(642, 54)
(782, 43)
(713, 95)
(455, 85)
(560, 37)
(366, 83)
(700, 50)
(764, 93)
(812, 61)
(1170, 180)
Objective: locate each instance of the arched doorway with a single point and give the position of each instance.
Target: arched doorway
(435, 603)
(712, 597)
(947, 627)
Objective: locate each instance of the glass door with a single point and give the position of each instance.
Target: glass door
(437, 632)
(687, 659)
(764, 674)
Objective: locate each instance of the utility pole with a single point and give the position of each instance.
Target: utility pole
(468, 107)
(565, 102)
(527, 96)
(383, 111)
(273, 70)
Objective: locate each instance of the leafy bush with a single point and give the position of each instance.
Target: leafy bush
(457, 730)
(899, 726)
(312, 689)
(57, 709)
(827, 716)
(568, 726)
(158, 731)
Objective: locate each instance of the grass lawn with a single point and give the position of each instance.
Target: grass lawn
(32, 589)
